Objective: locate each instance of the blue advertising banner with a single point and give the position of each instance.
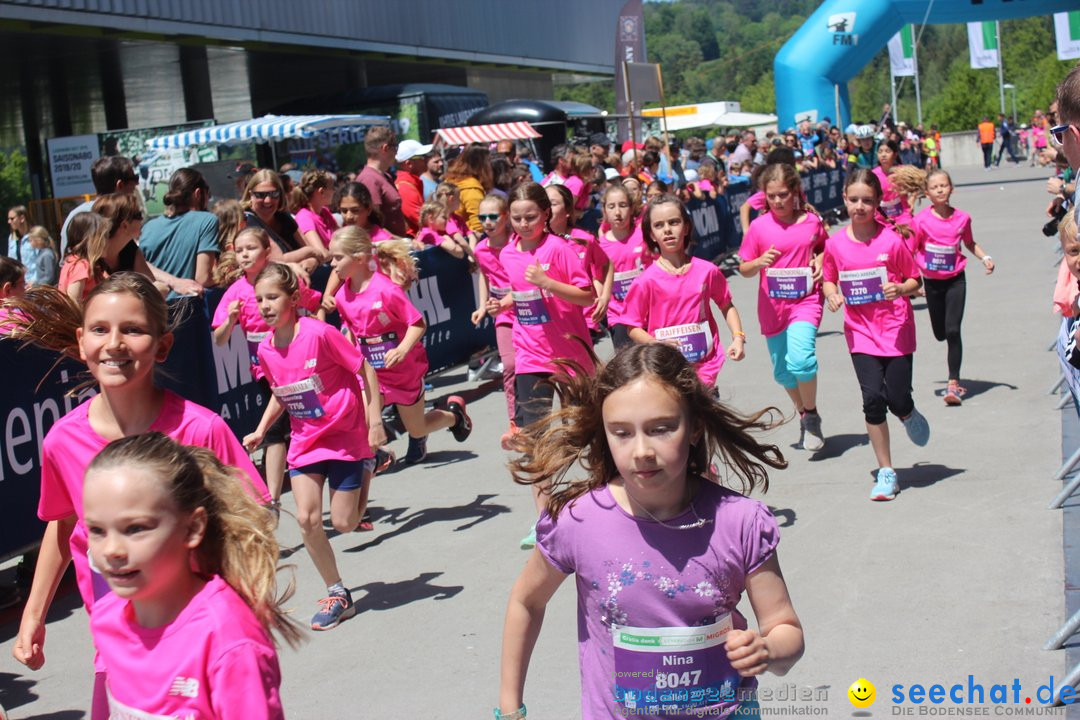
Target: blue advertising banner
(31, 404)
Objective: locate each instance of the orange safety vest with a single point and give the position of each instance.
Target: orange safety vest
(986, 133)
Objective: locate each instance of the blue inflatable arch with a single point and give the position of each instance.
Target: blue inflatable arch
(842, 36)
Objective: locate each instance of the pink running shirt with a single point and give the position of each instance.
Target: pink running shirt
(630, 258)
(884, 328)
(788, 296)
(215, 661)
(545, 326)
(72, 443)
(323, 223)
(894, 206)
(250, 320)
(314, 378)
(378, 317)
(939, 243)
(676, 308)
(487, 257)
(593, 259)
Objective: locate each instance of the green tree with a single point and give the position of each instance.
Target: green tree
(14, 180)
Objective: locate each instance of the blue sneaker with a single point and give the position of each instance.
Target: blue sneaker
(887, 485)
(417, 451)
(335, 608)
(918, 430)
(529, 541)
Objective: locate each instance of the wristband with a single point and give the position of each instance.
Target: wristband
(518, 714)
(739, 333)
(984, 258)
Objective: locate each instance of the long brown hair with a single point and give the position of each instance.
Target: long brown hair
(787, 176)
(46, 317)
(575, 434)
(239, 543)
(88, 236)
(118, 208)
(475, 162)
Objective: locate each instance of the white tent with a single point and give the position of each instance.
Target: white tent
(712, 114)
(265, 129)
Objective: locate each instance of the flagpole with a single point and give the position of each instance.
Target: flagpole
(915, 59)
(892, 89)
(1001, 76)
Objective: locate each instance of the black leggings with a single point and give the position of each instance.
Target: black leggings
(620, 336)
(533, 398)
(885, 384)
(945, 301)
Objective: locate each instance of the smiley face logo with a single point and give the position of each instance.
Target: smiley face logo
(862, 693)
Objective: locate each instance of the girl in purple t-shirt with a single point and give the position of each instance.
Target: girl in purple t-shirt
(662, 555)
(869, 271)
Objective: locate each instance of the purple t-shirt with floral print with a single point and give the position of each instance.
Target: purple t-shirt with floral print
(636, 572)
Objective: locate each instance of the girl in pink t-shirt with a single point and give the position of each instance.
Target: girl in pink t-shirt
(121, 333)
(940, 233)
(783, 247)
(894, 205)
(494, 285)
(596, 264)
(662, 555)
(435, 231)
(869, 272)
(548, 288)
(354, 205)
(238, 307)
(312, 370)
(315, 220)
(670, 302)
(191, 561)
(389, 331)
(625, 247)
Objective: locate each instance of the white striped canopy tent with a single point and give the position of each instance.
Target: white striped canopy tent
(448, 137)
(265, 129)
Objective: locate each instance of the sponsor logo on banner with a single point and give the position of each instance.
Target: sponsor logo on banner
(842, 26)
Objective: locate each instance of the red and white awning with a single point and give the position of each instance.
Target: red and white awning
(484, 133)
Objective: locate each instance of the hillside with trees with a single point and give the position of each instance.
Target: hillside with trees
(713, 50)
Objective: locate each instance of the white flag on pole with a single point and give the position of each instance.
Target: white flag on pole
(1067, 29)
(902, 53)
(983, 44)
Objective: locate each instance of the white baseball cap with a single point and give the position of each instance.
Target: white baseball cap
(408, 149)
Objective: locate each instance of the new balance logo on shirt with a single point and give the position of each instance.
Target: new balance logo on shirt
(187, 687)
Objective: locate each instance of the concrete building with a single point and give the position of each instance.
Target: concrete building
(71, 67)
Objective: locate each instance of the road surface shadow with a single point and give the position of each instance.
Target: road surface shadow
(921, 475)
(974, 388)
(475, 512)
(387, 596)
(837, 445)
(17, 690)
(785, 517)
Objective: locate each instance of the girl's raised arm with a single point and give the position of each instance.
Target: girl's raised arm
(524, 617)
(778, 643)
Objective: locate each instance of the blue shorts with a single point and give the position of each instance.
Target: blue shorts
(343, 475)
